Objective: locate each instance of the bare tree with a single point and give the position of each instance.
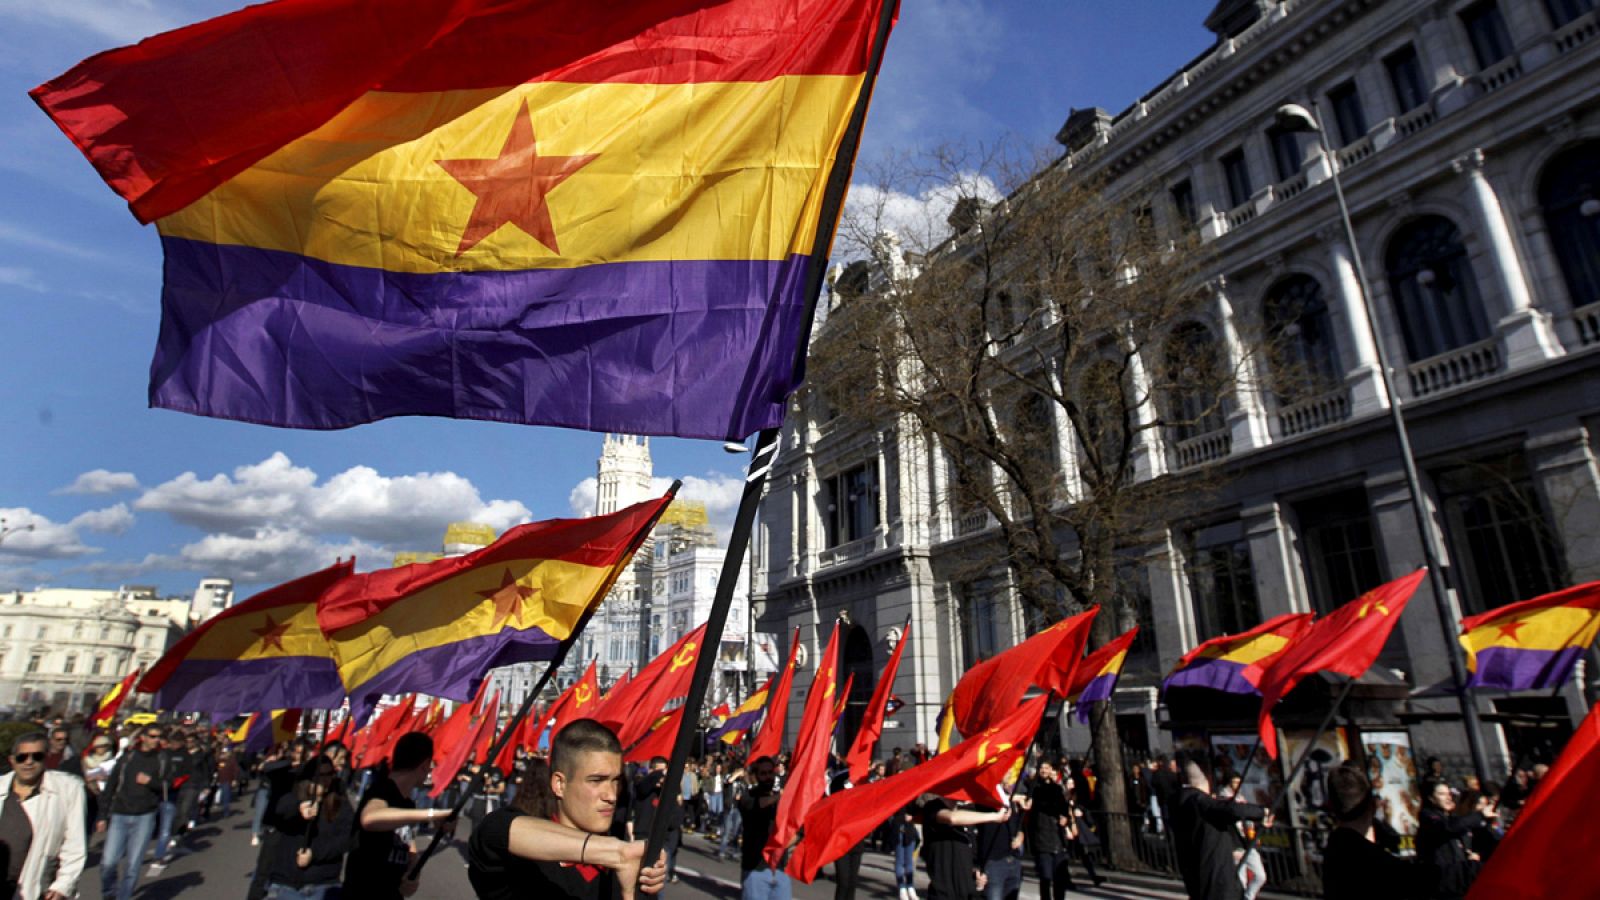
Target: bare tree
(1067, 356)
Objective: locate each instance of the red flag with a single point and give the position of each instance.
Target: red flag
(996, 686)
(457, 754)
(808, 769)
(485, 740)
(631, 709)
(576, 701)
(769, 740)
(972, 771)
(860, 756)
(527, 735)
(659, 741)
(339, 733)
(379, 731)
(1345, 641)
(451, 732)
(844, 696)
(1554, 839)
(112, 701)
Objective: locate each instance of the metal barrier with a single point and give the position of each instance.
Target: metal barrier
(1292, 856)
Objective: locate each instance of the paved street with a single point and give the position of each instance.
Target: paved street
(217, 858)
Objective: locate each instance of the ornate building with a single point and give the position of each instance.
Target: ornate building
(61, 649)
(1467, 137)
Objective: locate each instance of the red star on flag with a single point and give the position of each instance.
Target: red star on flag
(508, 599)
(272, 634)
(1509, 630)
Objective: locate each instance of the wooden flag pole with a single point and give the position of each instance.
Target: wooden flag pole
(476, 783)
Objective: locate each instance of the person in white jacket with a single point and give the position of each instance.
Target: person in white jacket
(53, 804)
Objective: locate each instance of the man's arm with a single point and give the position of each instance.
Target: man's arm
(74, 847)
(963, 817)
(540, 840)
(1224, 813)
(380, 816)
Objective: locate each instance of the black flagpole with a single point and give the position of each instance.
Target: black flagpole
(765, 451)
(476, 784)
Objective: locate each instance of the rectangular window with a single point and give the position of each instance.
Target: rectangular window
(1133, 587)
(1287, 155)
(1500, 536)
(97, 666)
(33, 663)
(1340, 553)
(1348, 116)
(1236, 172)
(1562, 12)
(1183, 202)
(70, 666)
(1405, 76)
(850, 504)
(41, 632)
(1491, 42)
(980, 620)
(1222, 585)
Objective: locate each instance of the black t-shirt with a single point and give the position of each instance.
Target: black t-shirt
(497, 875)
(379, 860)
(758, 821)
(994, 840)
(1354, 868)
(1049, 804)
(947, 852)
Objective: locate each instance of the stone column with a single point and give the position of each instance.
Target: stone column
(1066, 438)
(1526, 334)
(1563, 462)
(1170, 611)
(1149, 457)
(1279, 587)
(882, 531)
(1247, 420)
(1362, 379)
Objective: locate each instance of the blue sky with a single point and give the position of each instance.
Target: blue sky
(119, 493)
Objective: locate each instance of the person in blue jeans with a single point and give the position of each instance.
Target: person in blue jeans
(906, 841)
(759, 808)
(130, 800)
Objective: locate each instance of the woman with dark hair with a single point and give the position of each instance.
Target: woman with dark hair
(315, 825)
(1443, 838)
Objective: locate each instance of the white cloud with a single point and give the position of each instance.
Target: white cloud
(19, 277)
(111, 520)
(32, 536)
(22, 578)
(270, 556)
(101, 481)
(124, 21)
(360, 502)
(916, 215)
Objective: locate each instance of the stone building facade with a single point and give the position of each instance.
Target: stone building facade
(1467, 138)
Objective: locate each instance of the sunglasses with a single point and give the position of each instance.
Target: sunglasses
(37, 757)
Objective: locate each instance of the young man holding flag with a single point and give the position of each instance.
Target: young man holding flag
(513, 854)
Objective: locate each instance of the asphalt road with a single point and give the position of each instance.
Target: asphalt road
(215, 860)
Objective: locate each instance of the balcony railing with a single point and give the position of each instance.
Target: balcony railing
(1587, 318)
(1203, 448)
(1576, 33)
(1290, 187)
(1313, 413)
(972, 522)
(1500, 74)
(847, 551)
(1471, 363)
(1241, 214)
(1414, 121)
(1356, 151)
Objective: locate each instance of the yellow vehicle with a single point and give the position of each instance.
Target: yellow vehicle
(140, 719)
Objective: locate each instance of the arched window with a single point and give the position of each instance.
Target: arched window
(1569, 193)
(1301, 352)
(1434, 290)
(1193, 373)
(1105, 398)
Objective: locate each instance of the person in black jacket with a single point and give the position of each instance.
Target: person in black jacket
(128, 808)
(1442, 839)
(277, 779)
(315, 828)
(1354, 865)
(1204, 837)
(1047, 809)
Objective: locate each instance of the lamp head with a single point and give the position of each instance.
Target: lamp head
(1294, 117)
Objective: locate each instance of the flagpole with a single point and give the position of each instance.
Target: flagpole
(476, 783)
(761, 458)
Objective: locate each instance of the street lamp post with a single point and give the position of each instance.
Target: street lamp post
(1294, 117)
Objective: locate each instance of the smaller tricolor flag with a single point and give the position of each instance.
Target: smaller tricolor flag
(1534, 644)
(1221, 663)
(744, 716)
(1097, 675)
(1346, 641)
(266, 731)
(441, 626)
(105, 713)
(265, 653)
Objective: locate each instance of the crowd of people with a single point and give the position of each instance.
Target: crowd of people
(574, 820)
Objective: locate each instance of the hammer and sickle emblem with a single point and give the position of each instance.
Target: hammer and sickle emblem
(1368, 606)
(685, 657)
(583, 694)
(983, 752)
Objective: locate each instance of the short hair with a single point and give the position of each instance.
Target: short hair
(30, 737)
(1349, 793)
(582, 736)
(61, 729)
(412, 750)
(657, 761)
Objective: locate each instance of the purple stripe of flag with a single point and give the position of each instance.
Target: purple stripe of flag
(694, 348)
(1522, 669)
(453, 670)
(1099, 688)
(742, 722)
(1217, 674)
(228, 687)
